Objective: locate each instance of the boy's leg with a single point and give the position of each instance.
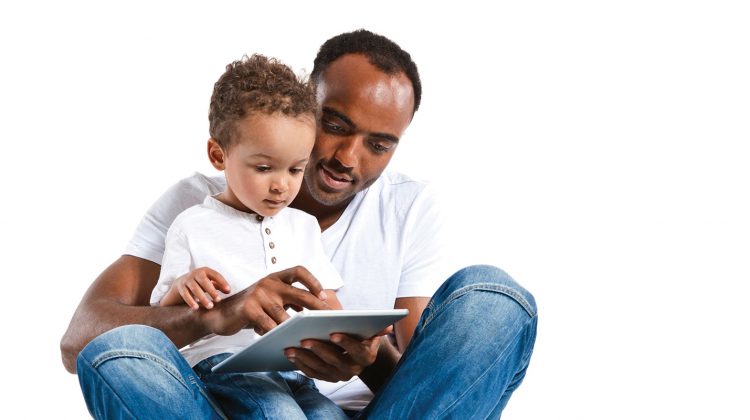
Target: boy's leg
(266, 395)
(314, 404)
(135, 371)
(469, 352)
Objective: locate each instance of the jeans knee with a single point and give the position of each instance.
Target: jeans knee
(131, 337)
(487, 276)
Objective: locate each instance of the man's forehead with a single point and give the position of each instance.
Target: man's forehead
(353, 82)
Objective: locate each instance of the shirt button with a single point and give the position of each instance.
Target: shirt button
(271, 245)
(273, 260)
(268, 231)
(259, 218)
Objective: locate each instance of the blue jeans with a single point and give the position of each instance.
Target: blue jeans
(469, 353)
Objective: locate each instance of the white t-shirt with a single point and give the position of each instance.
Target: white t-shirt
(387, 244)
(243, 248)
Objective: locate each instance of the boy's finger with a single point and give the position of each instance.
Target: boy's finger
(200, 295)
(218, 280)
(187, 297)
(208, 287)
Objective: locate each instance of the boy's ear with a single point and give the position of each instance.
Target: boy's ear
(216, 154)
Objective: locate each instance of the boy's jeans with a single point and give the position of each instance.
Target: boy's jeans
(469, 353)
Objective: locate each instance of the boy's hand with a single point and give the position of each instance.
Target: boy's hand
(199, 287)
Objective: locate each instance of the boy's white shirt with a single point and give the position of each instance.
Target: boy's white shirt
(387, 244)
(243, 249)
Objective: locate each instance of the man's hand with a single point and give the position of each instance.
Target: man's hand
(340, 360)
(262, 306)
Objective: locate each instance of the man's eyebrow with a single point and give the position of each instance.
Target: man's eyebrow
(342, 117)
(385, 136)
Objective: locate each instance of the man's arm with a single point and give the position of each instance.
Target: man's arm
(120, 296)
(375, 375)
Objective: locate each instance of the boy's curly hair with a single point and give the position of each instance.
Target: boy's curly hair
(257, 84)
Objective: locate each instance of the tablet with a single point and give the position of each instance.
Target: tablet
(267, 352)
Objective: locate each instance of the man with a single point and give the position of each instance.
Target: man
(461, 353)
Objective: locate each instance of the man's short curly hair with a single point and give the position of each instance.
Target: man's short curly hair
(383, 53)
(257, 84)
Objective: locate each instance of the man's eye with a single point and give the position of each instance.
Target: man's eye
(332, 127)
(378, 147)
(262, 168)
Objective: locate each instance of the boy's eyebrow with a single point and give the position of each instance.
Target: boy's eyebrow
(385, 136)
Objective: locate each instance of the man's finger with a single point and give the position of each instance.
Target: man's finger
(301, 275)
(264, 324)
(303, 298)
(311, 365)
(363, 352)
(275, 311)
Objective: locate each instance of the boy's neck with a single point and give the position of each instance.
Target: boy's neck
(326, 215)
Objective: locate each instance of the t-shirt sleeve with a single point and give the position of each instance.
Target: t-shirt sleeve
(148, 240)
(176, 262)
(427, 260)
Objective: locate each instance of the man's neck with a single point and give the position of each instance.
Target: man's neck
(326, 215)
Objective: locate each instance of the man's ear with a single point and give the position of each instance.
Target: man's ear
(216, 154)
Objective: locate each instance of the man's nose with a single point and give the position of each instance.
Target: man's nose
(347, 151)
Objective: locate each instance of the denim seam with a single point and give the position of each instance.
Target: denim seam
(104, 381)
(113, 354)
(210, 400)
(250, 396)
(489, 369)
(489, 287)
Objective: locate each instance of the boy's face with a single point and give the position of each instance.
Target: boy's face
(265, 164)
(364, 113)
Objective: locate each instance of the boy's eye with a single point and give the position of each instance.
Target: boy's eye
(262, 168)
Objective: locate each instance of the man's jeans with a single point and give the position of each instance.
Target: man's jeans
(469, 353)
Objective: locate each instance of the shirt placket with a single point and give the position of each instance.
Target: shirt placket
(266, 227)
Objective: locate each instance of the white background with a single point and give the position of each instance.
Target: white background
(597, 151)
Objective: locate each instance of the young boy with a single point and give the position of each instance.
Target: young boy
(262, 126)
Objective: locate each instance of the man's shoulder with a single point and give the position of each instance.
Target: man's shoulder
(400, 188)
(201, 184)
(197, 216)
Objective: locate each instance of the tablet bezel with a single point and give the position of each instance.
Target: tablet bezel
(267, 352)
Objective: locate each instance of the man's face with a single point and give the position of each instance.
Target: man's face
(364, 114)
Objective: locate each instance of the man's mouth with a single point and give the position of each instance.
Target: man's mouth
(334, 180)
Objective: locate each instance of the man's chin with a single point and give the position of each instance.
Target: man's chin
(325, 197)
(330, 199)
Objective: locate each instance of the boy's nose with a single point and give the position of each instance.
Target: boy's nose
(279, 186)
